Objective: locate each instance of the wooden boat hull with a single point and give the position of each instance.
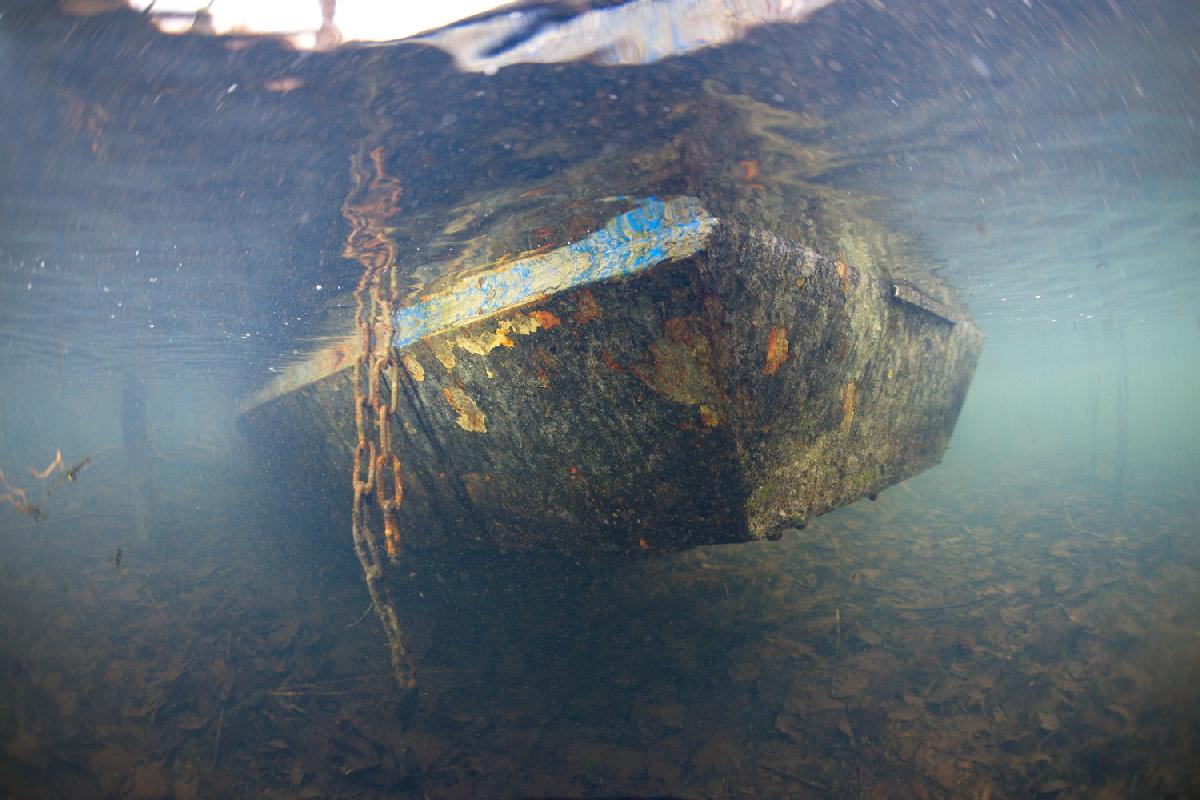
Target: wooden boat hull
(714, 397)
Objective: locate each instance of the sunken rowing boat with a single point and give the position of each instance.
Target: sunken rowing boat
(666, 381)
(686, 336)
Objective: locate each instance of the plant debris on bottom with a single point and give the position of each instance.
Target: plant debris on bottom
(965, 636)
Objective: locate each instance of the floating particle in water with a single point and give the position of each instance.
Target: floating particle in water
(980, 66)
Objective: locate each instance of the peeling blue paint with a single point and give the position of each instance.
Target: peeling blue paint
(653, 232)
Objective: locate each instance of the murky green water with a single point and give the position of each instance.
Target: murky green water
(181, 618)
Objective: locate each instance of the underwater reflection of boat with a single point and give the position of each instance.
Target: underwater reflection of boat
(139, 454)
(666, 381)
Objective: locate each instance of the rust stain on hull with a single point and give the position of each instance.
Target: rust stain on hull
(844, 276)
(442, 351)
(610, 362)
(777, 349)
(545, 319)
(518, 324)
(470, 417)
(586, 308)
(680, 366)
(484, 343)
(413, 367)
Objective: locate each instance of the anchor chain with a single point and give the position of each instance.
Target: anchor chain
(377, 475)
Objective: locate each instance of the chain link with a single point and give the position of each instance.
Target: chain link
(377, 477)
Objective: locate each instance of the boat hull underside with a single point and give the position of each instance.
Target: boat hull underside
(716, 399)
